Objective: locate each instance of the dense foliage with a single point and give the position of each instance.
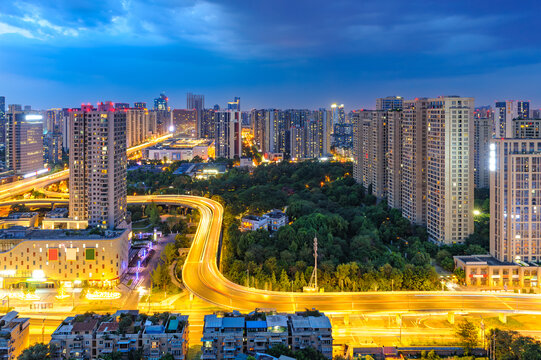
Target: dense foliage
(510, 345)
(363, 244)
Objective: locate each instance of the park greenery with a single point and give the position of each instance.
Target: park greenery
(363, 245)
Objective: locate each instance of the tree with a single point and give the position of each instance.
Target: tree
(468, 334)
(160, 276)
(38, 351)
(167, 357)
(115, 355)
(169, 253)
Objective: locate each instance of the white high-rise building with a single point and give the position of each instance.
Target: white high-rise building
(449, 169)
(98, 165)
(515, 199)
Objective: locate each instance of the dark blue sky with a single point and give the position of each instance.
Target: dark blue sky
(295, 53)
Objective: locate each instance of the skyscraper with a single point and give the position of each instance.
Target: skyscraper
(389, 103)
(197, 103)
(161, 103)
(393, 159)
(24, 142)
(228, 137)
(450, 183)
(234, 105)
(98, 163)
(140, 105)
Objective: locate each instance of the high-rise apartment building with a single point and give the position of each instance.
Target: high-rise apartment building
(413, 161)
(24, 142)
(421, 159)
(370, 151)
(98, 163)
(449, 169)
(137, 126)
(53, 121)
(228, 137)
(504, 114)
(389, 103)
(481, 138)
(52, 148)
(393, 159)
(515, 199)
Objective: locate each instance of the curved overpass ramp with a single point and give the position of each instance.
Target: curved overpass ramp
(203, 278)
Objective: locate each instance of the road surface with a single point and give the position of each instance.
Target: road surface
(20, 187)
(203, 278)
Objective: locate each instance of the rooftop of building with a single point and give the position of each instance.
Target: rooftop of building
(57, 213)
(21, 215)
(253, 217)
(24, 233)
(191, 168)
(275, 214)
(181, 143)
(490, 261)
(123, 321)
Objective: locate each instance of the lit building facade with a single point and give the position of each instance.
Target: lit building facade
(482, 136)
(450, 181)
(98, 165)
(389, 103)
(137, 125)
(504, 114)
(228, 139)
(24, 142)
(56, 256)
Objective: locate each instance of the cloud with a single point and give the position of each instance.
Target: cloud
(6, 29)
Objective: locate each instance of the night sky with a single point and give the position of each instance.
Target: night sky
(271, 53)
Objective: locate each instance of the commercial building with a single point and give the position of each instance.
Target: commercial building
(225, 336)
(91, 336)
(98, 163)
(180, 149)
(234, 105)
(161, 103)
(389, 103)
(14, 335)
(228, 139)
(56, 256)
(185, 122)
(24, 142)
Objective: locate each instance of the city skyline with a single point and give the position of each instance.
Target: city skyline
(307, 57)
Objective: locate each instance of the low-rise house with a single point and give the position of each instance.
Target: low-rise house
(276, 219)
(89, 336)
(14, 335)
(225, 337)
(254, 222)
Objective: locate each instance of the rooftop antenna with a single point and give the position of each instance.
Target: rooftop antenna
(312, 285)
